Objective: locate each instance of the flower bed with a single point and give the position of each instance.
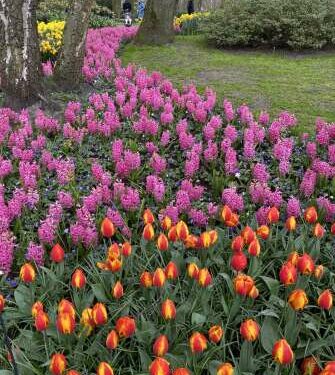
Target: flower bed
(188, 24)
(253, 261)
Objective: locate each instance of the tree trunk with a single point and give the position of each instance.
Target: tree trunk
(116, 6)
(20, 65)
(68, 72)
(157, 25)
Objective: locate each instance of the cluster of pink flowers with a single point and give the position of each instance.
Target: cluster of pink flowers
(179, 151)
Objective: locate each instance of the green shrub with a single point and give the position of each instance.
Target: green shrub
(296, 24)
(52, 10)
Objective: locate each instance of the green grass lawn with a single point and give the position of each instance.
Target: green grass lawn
(300, 83)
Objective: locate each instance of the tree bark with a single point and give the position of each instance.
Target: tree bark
(157, 25)
(20, 65)
(68, 71)
(116, 7)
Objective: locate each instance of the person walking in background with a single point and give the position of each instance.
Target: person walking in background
(126, 7)
(190, 7)
(140, 9)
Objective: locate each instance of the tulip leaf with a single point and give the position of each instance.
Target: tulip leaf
(23, 298)
(314, 347)
(272, 284)
(99, 292)
(246, 357)
(6, 372)
(315, 253)
(213, 367)
(198, 319)
(269, 334)
(292, 328)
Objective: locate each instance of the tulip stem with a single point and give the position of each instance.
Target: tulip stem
(45, 345)
(8, 345)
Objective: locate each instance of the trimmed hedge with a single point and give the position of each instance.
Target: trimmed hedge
(295, 24)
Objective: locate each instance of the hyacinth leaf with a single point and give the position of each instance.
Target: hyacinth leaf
(269, 334)
(246, 357)
(272, 284)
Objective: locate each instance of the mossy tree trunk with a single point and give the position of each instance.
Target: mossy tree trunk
(20, 64)
(68, 72)
(157, 25)
(116, 7)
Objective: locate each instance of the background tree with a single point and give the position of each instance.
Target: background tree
(157, 25)
(68, 72)
(116, 7)
(20, 64)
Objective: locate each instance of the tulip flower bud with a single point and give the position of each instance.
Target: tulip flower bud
(254, 293)
(171, 271)
(99, 314)
(126, 249)
(215, 334)
(66, 306)
(65, 323)
(107, 228)
(325, 300)
(117, 290)
(204, 277)
(146, 279)
(27, 273)
(305, 264)
(168, 310)
(263, 232)
(332, 229)
(78, 279)
(148, 232)
(319, 271)
(159, 366)
(282, 352)
(248, 235)
(112, 340)
(162, 242)
(239, 261)
(254, 248)
(318, 230)
(193, 271)
(37, 306)
(73, 372)
(57, 253)
(330, 366)
(311, 215)
(58, 364)
(298, 299)
(233, 221)
(291, 224)
(213, 234)
(114, 251)
(293, 258)
(41, 321)
(288, 274)
(205, 240)
(87, 320)
(148, 217)
(309, 366)
(160, 346)
(198, 342)
(166, 223)
(104, 369)
(172, 234)
(125, 326)
(191, 242)
(243, 284)
(181, 371)
(182, 230)
(158, 278)
(237, 244)
(226, 213)
(225, 369)
(249, 330)
(2, 303)
(273, 215)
